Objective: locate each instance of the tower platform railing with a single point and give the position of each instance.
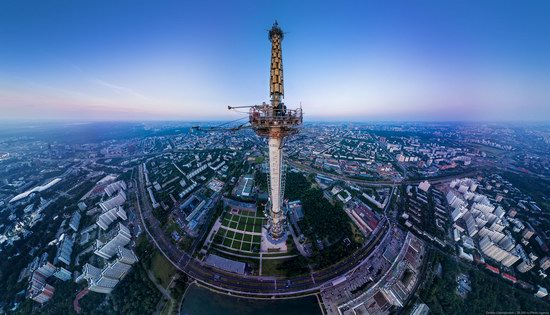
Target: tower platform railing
(261, 118)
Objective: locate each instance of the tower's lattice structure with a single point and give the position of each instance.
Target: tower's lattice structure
(275, 122)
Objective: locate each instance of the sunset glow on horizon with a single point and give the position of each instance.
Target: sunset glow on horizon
(67, 60)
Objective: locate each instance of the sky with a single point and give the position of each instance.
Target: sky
(343, 60)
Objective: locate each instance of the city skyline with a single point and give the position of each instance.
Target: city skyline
(430, 61)
(154, 157)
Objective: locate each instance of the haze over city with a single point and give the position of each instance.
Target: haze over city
(274, 157)
(351, 61)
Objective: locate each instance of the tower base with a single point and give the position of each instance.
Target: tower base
(270, 244)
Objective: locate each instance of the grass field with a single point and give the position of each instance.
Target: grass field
(241, 232)
(162, 269)
(271, 267)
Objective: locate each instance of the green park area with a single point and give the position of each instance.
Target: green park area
(162, 269)
(241, 232)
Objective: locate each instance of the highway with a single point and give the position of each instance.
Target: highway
(265, 286)
(434, 180)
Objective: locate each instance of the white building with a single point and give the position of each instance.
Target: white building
(497, 253)
(118, 200)
(75, 221)
(525, 266)
(424, 186)
(118, 236)
(111, 189)
(106, 218)
(541, 292)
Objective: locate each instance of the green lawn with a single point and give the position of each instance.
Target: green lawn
(271, 267)
(236, 252)
(162, 269)
(236, 245)
(249, 228)
(238, 241)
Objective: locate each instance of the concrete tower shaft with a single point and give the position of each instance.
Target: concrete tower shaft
(276, 185)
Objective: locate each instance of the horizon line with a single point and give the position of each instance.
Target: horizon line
(203, 120)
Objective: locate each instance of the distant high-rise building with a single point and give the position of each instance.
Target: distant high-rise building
(541, 292)
(104, 280)
(106, 218)
(545, 262)
(118, 200)
(496, 252)
(528, 232)
(107, 247)
(62, 274)
(38, 290)
(65, 250)
(126, 256)
(454, 199)
(525, 266)
(111, 189)
(75, 221)
(102, 284)
(43, 295)
(116, 269)
(424, 186)
(46, 269)
(89, 272)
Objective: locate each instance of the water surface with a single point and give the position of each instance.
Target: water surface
(201, 301)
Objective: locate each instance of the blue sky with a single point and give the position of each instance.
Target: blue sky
(344, 60)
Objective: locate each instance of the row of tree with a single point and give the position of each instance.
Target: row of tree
(489, 294)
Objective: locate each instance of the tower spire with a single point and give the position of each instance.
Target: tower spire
(276, 87)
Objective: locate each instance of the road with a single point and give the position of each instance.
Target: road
(266, 286)
(435, 180)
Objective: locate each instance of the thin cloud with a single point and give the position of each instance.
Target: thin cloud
(120, 89)
(113, 87)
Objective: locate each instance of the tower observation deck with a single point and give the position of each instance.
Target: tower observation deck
(275, 122)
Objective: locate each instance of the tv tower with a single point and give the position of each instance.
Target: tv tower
(275, 122)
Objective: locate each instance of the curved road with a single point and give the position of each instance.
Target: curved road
(231, 283)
